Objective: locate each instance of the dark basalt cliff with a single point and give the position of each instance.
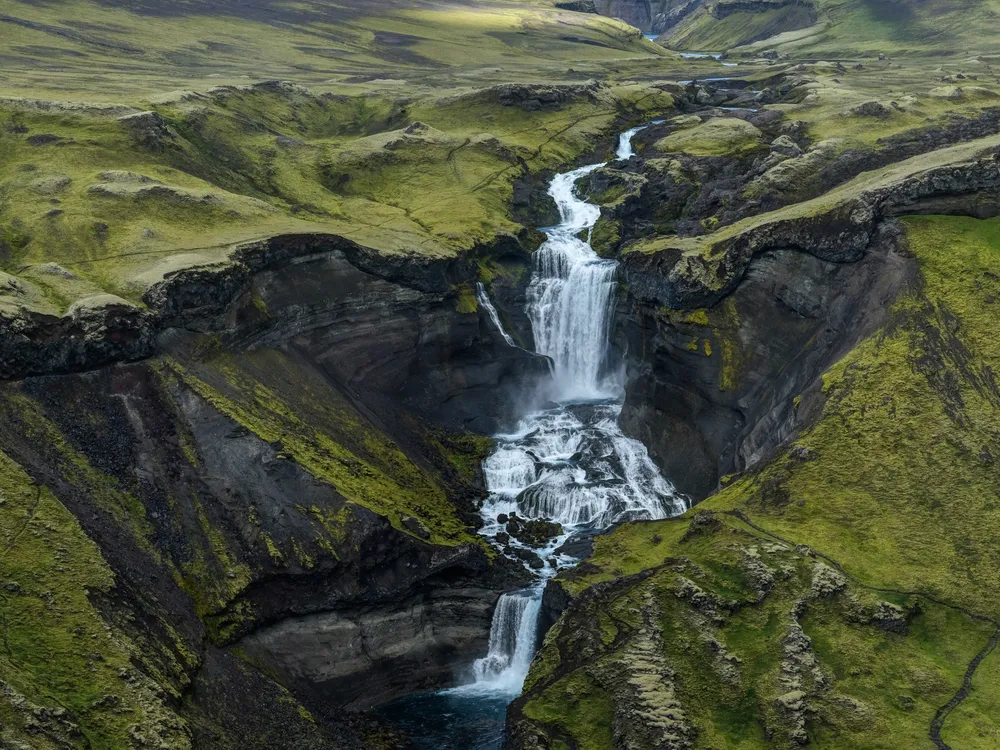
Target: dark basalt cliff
(287, 479)
(789, 297)
(712, 392)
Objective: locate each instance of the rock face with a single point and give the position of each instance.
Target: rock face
(326, 293)
(707, 319)
(652, 16)
(702, 393)
(789, 300)
(362, 656)
(285, 485)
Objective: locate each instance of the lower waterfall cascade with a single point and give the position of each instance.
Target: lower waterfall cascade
(568, 462)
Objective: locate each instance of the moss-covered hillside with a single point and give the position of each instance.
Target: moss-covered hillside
(845, 594)
(110, 200)
(838, 28)
(96, 50)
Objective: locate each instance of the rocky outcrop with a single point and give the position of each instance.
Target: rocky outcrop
(323, 287)
(702, 393)
(578, 6)
(533, 97)
(648, 711)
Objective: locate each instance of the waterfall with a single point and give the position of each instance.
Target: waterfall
(512, 642)
(487, 303)
(569, 303)
(569, 462)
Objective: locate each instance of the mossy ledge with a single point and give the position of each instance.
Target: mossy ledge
(104, 329)
(837, 226)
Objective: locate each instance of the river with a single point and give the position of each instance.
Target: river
(568, 462)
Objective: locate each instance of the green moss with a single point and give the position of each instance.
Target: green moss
(211, 573)
(576, 706)
(467, 303)
(719, 136)
(606, 235)
(906, 28)
(286, 404)
(260, 305)
(272, 550)
(226, 625)
(57, 648)
(701, 258)
(465, 452)
(244, 163)
(973, 724)
(726, 670)
(696, 317)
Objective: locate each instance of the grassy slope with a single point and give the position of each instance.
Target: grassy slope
(703, 31)
(87, 49)
(911, 27)
(52, 630)
(241, 163)
(848, 28)
(897, 484)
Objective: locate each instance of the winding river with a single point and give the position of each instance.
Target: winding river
(568, 462)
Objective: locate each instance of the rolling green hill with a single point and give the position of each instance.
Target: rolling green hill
(841, 28)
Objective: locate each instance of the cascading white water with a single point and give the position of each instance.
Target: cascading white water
(569, 298)
(487, 303)
(512, 642)
(568, 463)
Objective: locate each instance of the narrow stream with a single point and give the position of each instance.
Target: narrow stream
(568, 462)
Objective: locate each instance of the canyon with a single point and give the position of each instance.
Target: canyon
(436, 393)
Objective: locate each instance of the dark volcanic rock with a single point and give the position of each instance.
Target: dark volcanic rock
(702, 393)
(236, 540)
(578, 6)
(382, 324)
(534, 532)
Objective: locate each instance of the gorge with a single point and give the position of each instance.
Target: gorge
(492, 374)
